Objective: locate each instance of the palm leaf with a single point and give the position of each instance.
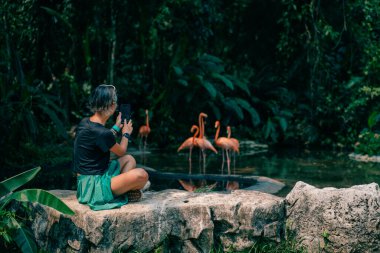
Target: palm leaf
(242, 84)
(17, 181)
(210, 88)
(224, 79)
(254, 115)
(233, 105)
(42, 197)
(23, 238)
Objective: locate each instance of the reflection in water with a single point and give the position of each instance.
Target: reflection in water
(318, 168)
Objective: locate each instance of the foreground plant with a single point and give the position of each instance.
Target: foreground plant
(12, 228)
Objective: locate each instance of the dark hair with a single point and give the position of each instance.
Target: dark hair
(102, 98)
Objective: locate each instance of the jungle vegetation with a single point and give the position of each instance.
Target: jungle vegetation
(288, 72)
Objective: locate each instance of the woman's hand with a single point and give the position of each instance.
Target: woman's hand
(118, 120)
(127, 127)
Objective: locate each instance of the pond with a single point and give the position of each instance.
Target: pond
(287, 166)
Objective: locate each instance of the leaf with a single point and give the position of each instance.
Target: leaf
(353, 81)
(242, 84)
(58, 16)
(372, 119)
(269, 127)
(24, 239)
(183, 82)
(42, 197)
(211, 58)
(17, 181)
(178, 71)
(283, 123)
(210, 88)
(232, 104)
(254, 115)
(224, 79)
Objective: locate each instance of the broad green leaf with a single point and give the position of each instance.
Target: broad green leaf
(24, 239)
(372, 119)
(210, 88)
(224, 79)
(178, 71)
(283, 123)
(254, 115)
(183, 82)
(17, 181)
(232, 104)
(211, 58)
(42, 197)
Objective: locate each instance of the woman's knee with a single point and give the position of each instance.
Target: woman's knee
(142, 175)
(127, 160)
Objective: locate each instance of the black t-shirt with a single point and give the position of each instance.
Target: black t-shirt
(91, 148)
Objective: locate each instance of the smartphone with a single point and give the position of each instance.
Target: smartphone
(125, 110)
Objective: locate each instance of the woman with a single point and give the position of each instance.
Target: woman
(104, 183)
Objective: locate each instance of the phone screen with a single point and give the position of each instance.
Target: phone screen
(125, 110)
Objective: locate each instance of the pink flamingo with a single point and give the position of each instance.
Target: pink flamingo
(235, 141)
(202, 142)
(225, 144)
(190, 142)
(144, 130)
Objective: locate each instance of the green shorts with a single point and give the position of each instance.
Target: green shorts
(95, 190)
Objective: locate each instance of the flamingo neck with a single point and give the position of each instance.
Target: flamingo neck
(229, 132)
(217, 133)
(200, 126)
(196, 133)
(147, 120)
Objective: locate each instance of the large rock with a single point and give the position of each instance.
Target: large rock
(335, 220)
(182, 221)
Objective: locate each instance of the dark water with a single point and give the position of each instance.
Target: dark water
(321, 169)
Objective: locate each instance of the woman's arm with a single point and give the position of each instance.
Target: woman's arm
(120, 148)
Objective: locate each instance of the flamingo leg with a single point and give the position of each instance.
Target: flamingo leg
(228, 162)
(204, 162)
(190, 160)
(222, 161)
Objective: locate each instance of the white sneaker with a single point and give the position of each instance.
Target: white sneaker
(146, 186)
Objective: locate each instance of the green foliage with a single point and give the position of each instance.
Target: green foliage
(368, 143)
(298, 72)
(12, 228)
